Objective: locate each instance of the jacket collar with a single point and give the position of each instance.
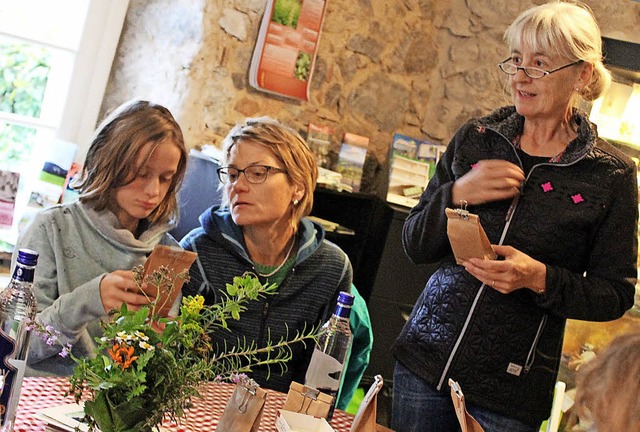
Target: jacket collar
(507, 122)
(219, 225)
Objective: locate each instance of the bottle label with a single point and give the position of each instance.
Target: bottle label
(343, 311)
(23, 274)
(11, 372)
(324, 372)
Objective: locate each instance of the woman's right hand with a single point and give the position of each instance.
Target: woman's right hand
(117, 287)
(489, 180)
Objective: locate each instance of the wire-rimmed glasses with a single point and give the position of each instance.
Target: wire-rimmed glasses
(254, 174)
(531, 72)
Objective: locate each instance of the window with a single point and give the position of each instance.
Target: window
(55, 60)
(616, 113)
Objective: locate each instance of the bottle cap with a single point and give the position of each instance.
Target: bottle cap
(28, 257)
(345, 299)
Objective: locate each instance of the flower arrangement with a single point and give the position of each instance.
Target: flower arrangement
(149, 368)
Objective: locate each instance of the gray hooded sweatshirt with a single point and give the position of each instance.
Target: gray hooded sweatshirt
(78, 247)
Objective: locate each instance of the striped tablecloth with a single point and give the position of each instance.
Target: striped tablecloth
(40, 393)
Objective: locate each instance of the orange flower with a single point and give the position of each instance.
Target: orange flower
(122, 354)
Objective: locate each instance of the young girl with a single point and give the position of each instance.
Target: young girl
(127, 205)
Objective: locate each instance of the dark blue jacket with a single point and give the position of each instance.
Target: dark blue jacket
(578, 216)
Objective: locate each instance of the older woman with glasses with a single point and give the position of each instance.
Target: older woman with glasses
(560, 207)
(268, 178)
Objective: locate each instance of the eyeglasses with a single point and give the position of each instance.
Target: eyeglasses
(531, 72)
(255, 174)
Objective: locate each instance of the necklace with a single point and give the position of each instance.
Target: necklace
(277, 269)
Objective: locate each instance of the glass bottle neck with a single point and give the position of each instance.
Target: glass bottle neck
(342, 311)
(23, 273)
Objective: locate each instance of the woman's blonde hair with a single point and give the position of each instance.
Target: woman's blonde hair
(288, 147)
(113, 155)
(608, 387)
(567, 30)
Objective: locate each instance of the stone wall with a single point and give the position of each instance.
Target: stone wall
(417, 67)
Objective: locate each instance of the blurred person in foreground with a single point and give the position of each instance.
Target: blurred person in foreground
(268, 175)
(560, 207)
(127, 205)
(608, 387)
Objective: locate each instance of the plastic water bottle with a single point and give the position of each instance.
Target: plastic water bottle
(17, 309)
(330, 354)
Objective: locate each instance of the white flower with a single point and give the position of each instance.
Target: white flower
(141, 335)
(145, 345)
(123, 336)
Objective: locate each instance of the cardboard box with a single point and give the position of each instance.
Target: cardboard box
(288, 421)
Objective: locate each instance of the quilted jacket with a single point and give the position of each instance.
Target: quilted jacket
(578, 216)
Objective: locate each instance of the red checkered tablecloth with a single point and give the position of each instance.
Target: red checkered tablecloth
(40, 393)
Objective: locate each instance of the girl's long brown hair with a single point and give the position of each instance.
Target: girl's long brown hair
(112, 157)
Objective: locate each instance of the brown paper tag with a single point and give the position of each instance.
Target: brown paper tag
(307, 400)
(243, 410)
(365, 419)
(467, 237)
(176, 260)
(467, 422)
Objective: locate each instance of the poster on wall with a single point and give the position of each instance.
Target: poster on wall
(285, 51)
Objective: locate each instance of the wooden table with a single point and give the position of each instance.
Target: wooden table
(40, 393)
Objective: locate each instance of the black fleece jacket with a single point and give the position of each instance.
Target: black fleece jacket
(578, 216)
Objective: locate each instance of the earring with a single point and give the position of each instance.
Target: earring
(295, 202)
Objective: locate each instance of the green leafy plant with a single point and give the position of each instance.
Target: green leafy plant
(148, 368)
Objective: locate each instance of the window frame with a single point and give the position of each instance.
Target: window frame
(80, 106)
(92, 68)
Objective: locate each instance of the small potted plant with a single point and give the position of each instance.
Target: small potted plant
(148, 368)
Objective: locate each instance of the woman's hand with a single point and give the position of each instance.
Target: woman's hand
(517, 270)
(489, 180)
(117, 287)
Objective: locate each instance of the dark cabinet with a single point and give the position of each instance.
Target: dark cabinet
(383, 273)
(398, 284)
(369, 218)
